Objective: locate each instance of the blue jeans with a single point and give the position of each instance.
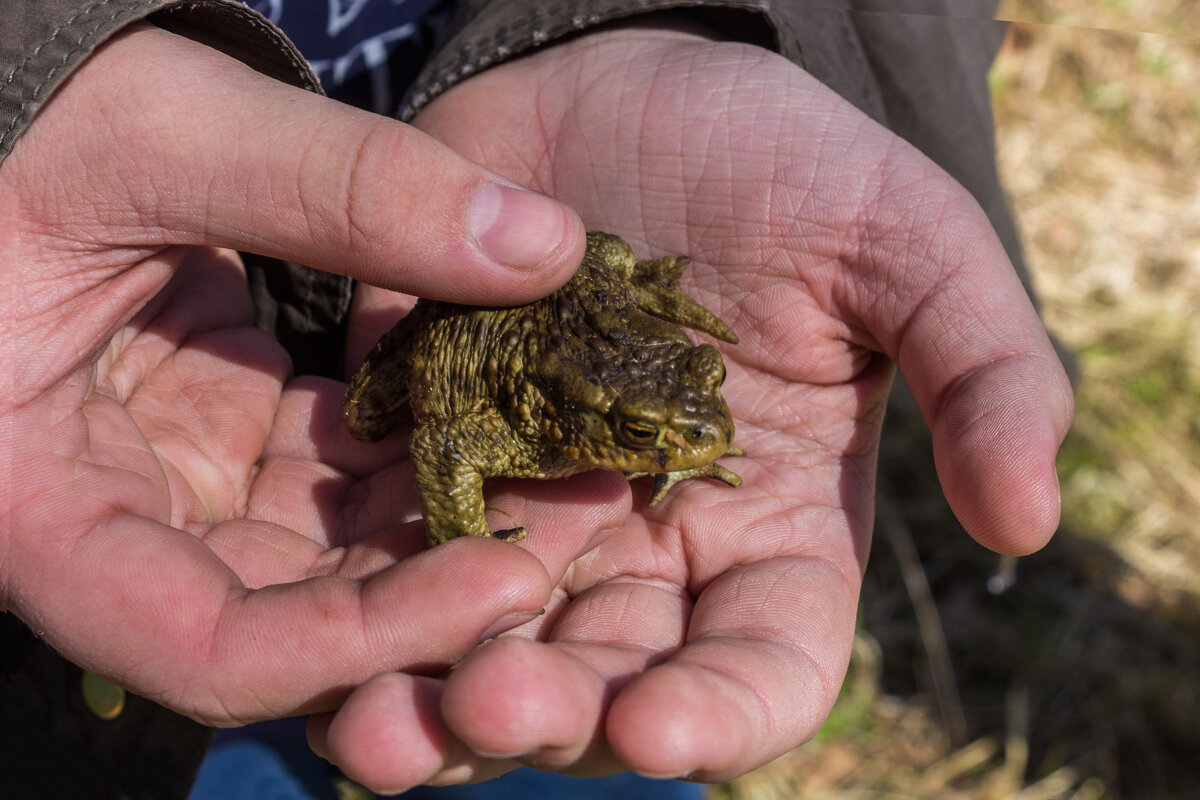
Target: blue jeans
(271, 761)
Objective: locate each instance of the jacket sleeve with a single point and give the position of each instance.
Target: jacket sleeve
(42, 43)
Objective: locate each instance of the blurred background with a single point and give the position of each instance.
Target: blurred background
(1075, 672)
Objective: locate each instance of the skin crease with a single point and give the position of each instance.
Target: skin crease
(179, 514)
(833, 249)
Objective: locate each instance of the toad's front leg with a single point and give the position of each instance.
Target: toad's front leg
(451, 457)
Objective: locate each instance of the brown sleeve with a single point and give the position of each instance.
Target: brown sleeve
(41, 44)
(487, 32)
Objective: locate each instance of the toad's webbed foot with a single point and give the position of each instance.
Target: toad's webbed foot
(509, 534)
(663, 481)
(655, 287)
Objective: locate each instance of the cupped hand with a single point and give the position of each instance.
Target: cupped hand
(711, 633)
(178, 514)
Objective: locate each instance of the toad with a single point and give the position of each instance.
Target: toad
(598, 375)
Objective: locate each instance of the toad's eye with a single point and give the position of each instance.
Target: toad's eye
(639, 433)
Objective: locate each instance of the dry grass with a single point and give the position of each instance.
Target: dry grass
(1082, 680)
(1110, 206)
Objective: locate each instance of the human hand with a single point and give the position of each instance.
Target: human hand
(711, 633)
(178, 516)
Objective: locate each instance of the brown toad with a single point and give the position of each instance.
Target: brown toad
(596, 376)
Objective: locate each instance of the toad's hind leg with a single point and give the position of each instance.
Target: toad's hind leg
(654, 285)
(451, 457)
(377, 397)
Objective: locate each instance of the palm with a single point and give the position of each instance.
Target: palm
(724, 609)
(211, 520)
(177, 515)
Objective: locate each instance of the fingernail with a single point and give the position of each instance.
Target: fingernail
(675, 776)
(317, 734)
(517, 227)
(508, 622)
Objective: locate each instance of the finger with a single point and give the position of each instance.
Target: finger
(309, 426)
(389, 736)
(767, 649)
(374, 312)
(239, 160)
(996, 432)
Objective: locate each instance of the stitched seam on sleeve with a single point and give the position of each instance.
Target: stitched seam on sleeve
(298, 62)
(541, 27)
(12, 75)
(257, 21)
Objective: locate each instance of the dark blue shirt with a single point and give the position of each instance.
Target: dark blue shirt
(366, 52)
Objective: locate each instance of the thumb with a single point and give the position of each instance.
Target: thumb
(158, 140)
(955, 317)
